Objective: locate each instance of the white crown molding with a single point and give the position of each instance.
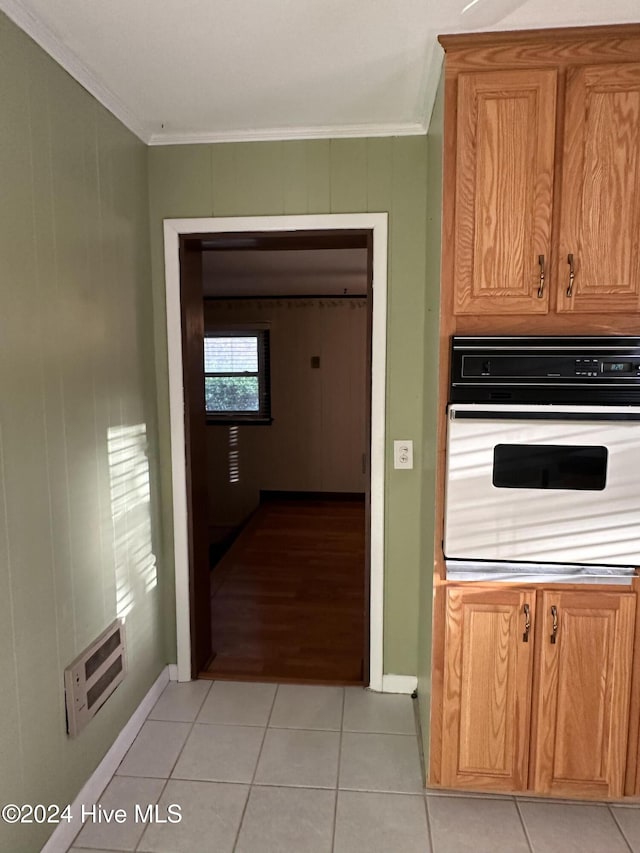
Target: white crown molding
(65, 57)
(433, 70)
(281, 134)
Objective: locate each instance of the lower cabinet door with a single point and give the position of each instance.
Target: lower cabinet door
(487, 688)
(582, 701)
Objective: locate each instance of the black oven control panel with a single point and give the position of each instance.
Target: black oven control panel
(608, 367)
(587, 367)
(580, 370)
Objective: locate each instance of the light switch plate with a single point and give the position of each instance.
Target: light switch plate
(403, 454)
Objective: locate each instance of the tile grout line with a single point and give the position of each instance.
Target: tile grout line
(523, 824)
(115, 775)
(287, 786)
(337, 789)
(612, 812)
(166, 781)
(255, 769)
(281, 728)
(317, 787)
(418, 732)
(458, 794)
(204, 698)
(367, 732)
(144, 831)
(429, 832)
(198, 710)
(191, 726)
(518, 802)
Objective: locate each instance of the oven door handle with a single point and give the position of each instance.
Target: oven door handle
(501, 415)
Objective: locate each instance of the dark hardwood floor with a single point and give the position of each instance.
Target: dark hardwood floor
(288, 600)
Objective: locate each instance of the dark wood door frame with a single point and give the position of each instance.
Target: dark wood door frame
(192, 323)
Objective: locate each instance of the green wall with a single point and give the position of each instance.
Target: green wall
(328, 176)
(79, 538)
(76, 373)
(431, 332)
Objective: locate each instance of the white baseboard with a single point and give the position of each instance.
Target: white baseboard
(173, 671)
(399, 683)
(65, 832)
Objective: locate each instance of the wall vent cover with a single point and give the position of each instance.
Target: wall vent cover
(93, 676)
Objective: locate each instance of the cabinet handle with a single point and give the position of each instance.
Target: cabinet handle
(554, 627)
(541, 285)
(527, 624)
(572, 275)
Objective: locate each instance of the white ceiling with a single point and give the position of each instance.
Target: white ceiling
(214, 70)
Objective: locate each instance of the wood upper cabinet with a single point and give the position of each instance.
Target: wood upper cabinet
(487, 687)
(600, 197)
(504, 188)
(583, 693)
(542, 173)
(561, 700)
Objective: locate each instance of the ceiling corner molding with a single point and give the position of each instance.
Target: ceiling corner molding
(282, 134)
(433, 69)
(65, 57)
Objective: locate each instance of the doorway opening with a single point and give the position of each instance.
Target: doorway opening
(292, 479)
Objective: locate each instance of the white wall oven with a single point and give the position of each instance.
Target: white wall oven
(543, 459)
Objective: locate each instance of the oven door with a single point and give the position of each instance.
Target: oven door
(543, 483)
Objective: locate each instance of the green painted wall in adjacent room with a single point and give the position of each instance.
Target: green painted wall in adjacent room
(77, 539)
(328, 176)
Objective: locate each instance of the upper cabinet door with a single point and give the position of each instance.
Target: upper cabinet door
(504, 189)
(600, 215)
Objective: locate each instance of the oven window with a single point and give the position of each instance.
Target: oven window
(549, 466)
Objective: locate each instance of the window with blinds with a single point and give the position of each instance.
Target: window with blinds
(236, 377)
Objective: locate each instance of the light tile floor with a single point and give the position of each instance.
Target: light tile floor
(260, 768)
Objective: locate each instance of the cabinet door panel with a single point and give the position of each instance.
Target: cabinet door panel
(600, 216)
(504, 185)
(583, 694)
(487, 689)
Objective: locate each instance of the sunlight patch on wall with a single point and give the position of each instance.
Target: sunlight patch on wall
(131, 513)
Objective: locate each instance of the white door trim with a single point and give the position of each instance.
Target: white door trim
(173, 230)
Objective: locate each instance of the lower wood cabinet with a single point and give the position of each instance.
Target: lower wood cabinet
(536, 690)
(487, 688)
(582, 698)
